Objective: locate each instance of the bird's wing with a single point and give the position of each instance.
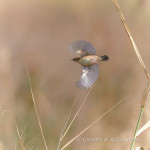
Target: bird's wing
(89, 76)
(83, 48)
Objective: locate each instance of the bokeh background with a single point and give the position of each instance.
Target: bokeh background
(39, 32)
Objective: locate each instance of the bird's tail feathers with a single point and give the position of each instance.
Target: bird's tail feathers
(104, 58)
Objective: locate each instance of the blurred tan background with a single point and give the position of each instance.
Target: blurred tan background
(40, 32)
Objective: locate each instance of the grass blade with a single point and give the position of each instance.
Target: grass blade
(137, 126)
(17, 129)
(67, 119)
(76, 114)
(35, 107)
(114, 106)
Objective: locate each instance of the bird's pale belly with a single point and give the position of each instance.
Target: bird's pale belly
(88, 60)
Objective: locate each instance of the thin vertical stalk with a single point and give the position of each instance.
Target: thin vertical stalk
(131, 39)
(66, 122)
(141, 63)
(137, 126)
(76, 114)
(35, 107)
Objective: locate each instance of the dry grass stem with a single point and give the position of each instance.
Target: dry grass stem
(35, 107)
(143, 67)
(76, 114)
(131, 39)
(145, 95)
(146, 126)
(114, 106)
(17, 129)
(66, 121)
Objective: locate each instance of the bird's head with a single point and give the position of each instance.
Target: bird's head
(76, 59)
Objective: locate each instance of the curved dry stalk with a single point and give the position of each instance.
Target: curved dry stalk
(145, 95)
(76, 114)
(14, 120)
(114, 106)
(66, 122)
(131, 39)
(143, 67)
(35, 107)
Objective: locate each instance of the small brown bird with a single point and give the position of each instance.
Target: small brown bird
(88, 59)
